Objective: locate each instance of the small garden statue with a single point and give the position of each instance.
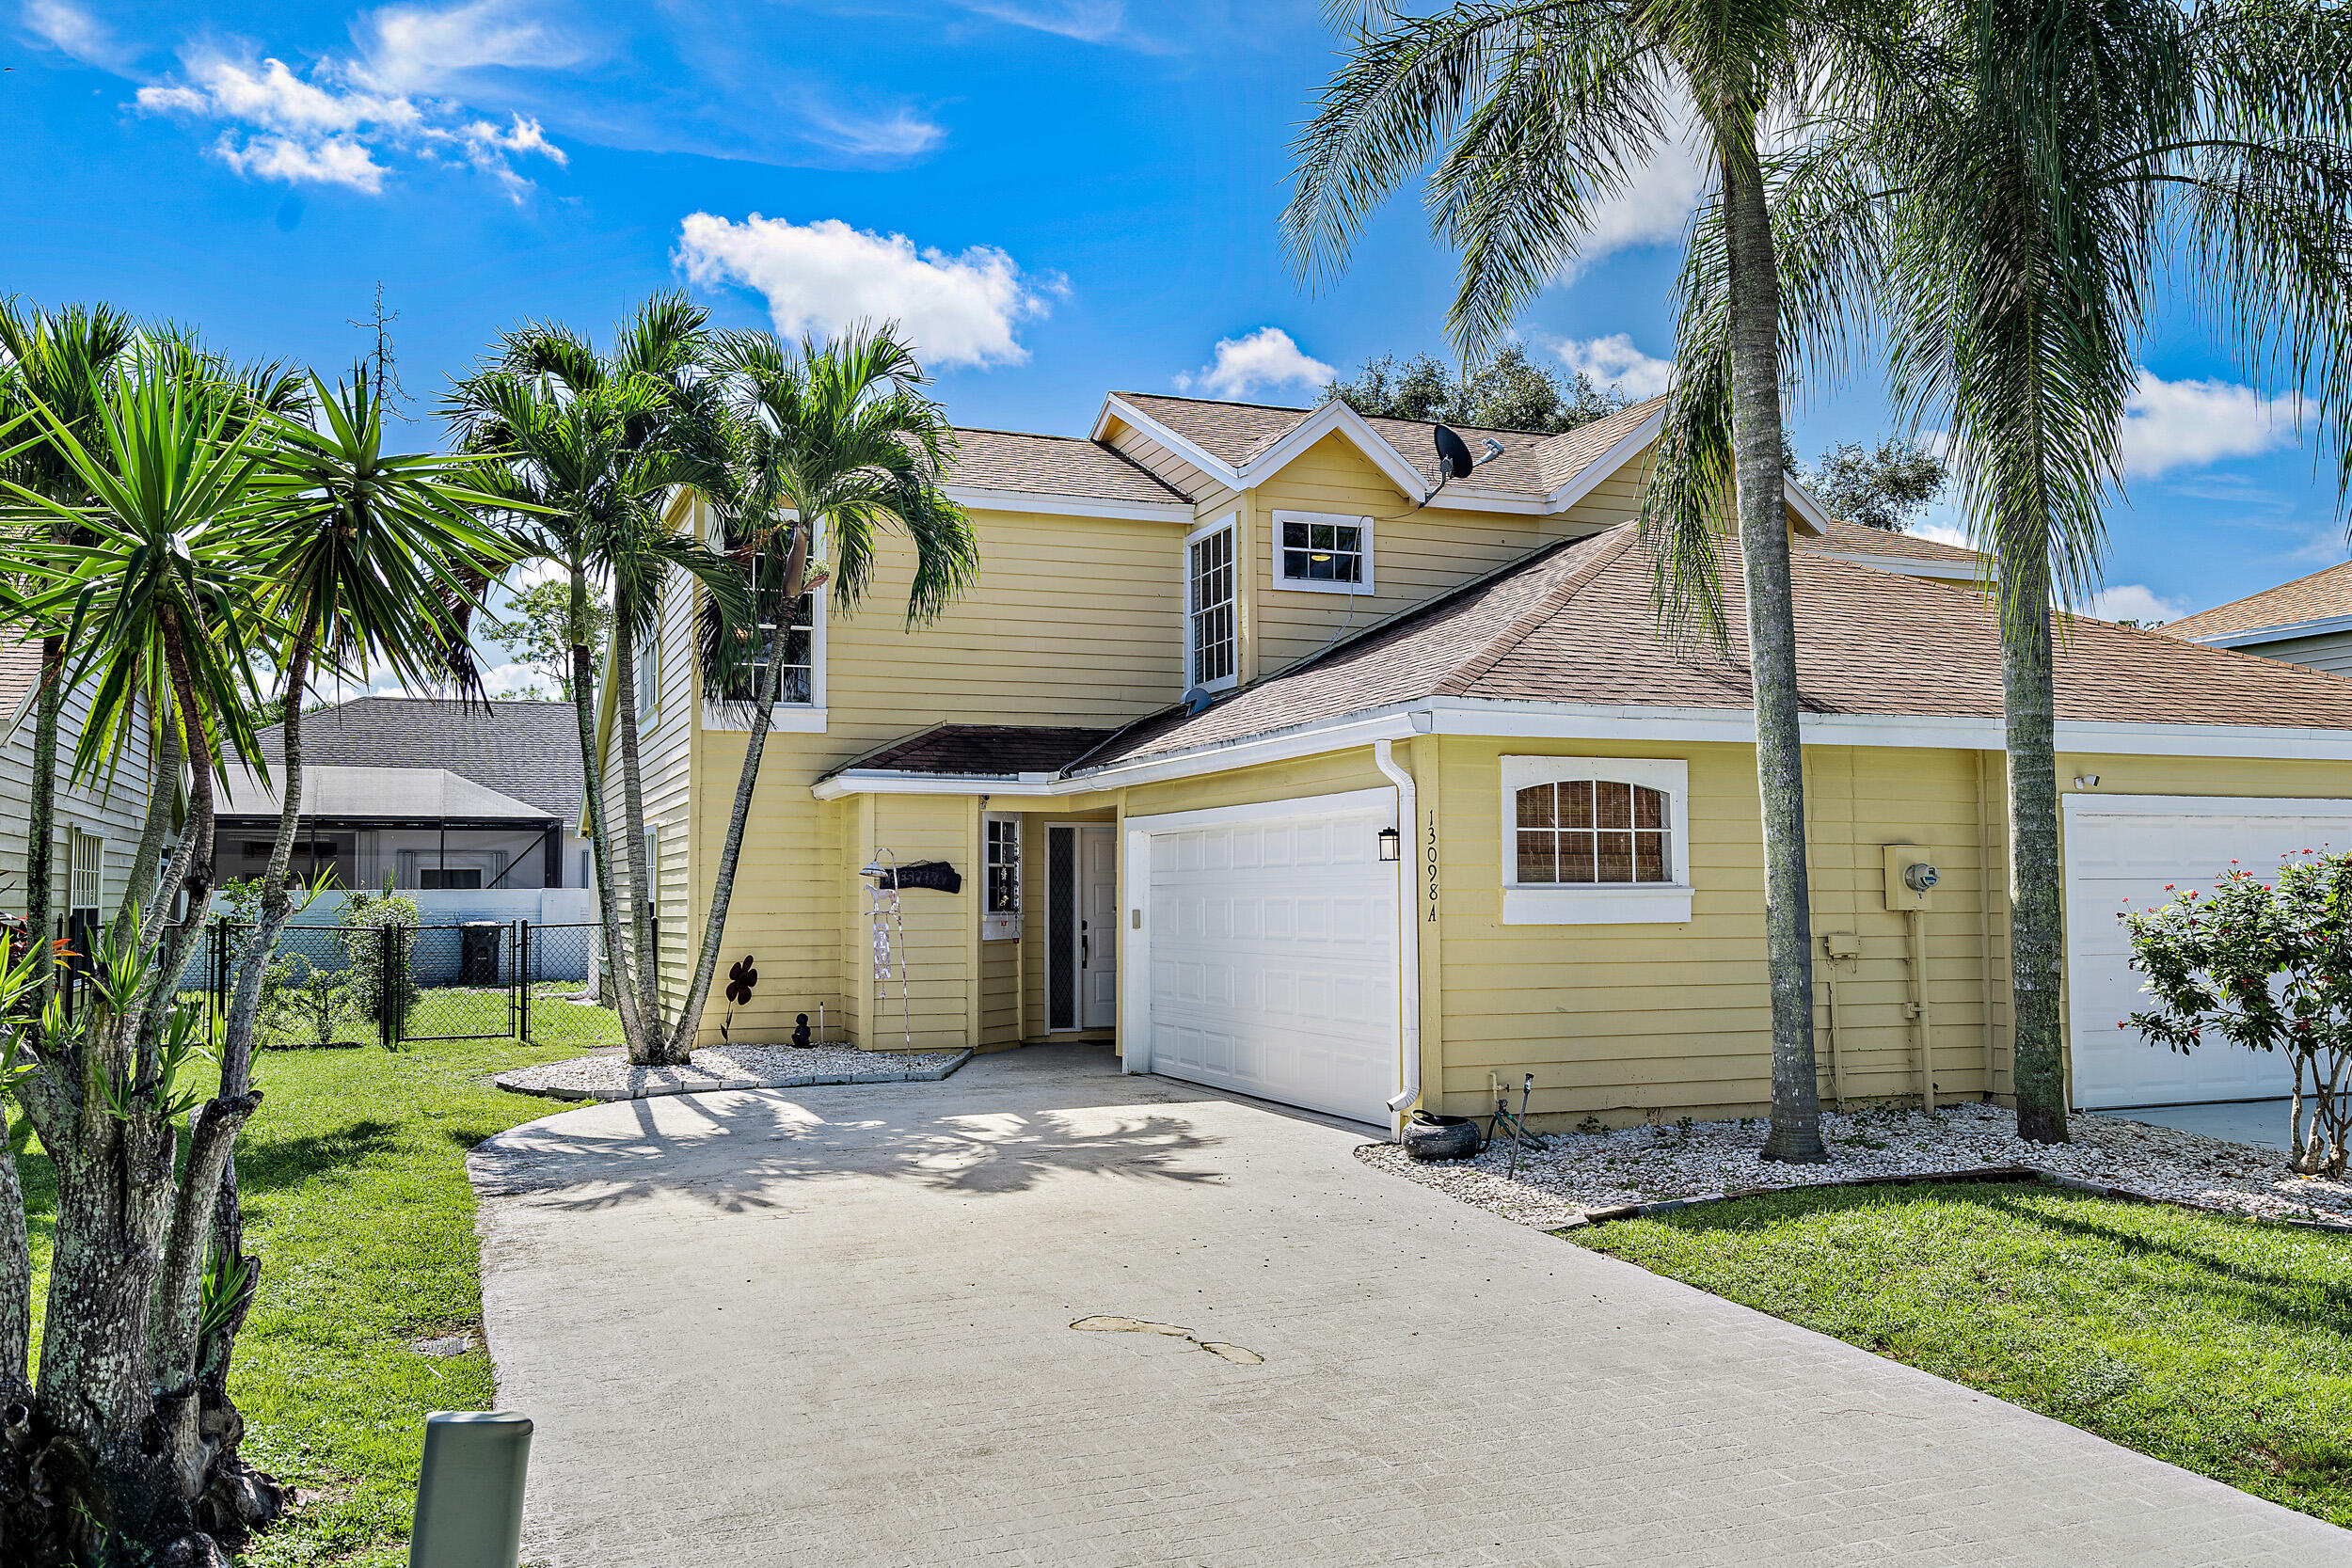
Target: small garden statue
(800, 1031)
(2265, 965)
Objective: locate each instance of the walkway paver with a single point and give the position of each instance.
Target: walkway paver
(833, 1326)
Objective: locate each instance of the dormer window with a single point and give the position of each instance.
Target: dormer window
(1322, 552)
(1212, 654)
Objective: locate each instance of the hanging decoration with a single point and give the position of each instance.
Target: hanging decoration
(890, 938)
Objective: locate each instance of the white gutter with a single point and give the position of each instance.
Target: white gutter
(1407, 932)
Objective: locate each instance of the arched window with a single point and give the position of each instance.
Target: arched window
(1594, 830)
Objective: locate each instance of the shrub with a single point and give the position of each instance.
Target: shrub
(2265, 965)
(381, 981)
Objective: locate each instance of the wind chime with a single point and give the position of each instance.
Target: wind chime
(890, 939)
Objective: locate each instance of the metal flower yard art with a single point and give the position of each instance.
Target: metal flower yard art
(741, 977)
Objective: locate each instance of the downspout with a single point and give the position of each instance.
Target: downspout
(1407, 933)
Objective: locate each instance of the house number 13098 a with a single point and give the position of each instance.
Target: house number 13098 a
(1429, 866)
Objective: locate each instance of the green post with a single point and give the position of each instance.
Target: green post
(470, 1494)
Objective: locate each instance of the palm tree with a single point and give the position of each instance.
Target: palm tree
(841, 437)
(2050, 165)
(590, 450)
(62, 362)
(161, 596)
(1535, 114)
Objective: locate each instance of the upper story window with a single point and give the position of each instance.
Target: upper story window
(1595, 840)
(1211, 637)
(796, 681)
(1322, 552)
(1000, 908)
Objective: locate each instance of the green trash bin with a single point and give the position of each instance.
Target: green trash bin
(469, 1492)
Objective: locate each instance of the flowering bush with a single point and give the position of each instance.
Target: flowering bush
(2264, 965)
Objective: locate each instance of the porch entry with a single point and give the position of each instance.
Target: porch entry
(1081, 925)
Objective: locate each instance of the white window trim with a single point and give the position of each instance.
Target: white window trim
(74, 836)
(1598, 903)
(1230, 521)
(649, 681)
(788, 717)
(994, 926)
(1303, 585)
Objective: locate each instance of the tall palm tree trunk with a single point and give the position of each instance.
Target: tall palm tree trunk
(276, 900)
(599, 841)
(641, 887)
(2037, 904)
(1755, 422)
(740, 815)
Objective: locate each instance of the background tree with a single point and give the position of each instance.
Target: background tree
(538, 631)
(839, 437)
(1886, 487)
(1532, 116)
(1509, 391)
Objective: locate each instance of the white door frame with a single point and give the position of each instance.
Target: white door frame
(1134, 881)
(2082, 805)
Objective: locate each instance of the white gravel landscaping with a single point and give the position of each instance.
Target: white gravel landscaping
(1562, 1175)
(609, 1076)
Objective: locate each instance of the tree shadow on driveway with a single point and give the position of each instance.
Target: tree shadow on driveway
(751, 1149)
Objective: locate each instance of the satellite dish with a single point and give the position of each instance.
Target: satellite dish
(1454, 455)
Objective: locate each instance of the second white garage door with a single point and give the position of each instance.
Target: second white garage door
(2131, 847)
(1272, 959)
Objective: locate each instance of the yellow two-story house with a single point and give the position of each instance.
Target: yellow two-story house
(1282, 767)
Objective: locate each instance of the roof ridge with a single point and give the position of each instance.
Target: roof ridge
(1549, 604)
(1222, 403)
(2172, 627)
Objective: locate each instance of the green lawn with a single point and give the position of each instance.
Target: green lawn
(2222, 1345)
(356, 1198)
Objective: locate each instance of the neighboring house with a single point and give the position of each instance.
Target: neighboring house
(98, 820)
(2307, 621)
(1221, 657)
(469, 808)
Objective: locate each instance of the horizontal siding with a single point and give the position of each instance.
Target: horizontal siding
(2331, 652)
(1000, 994)
(1417, 554)
(112, 803)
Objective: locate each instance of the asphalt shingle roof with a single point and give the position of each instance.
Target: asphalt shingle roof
(1573, 624)
(1844, 538)
(985, 748)
(526, 750)
(2321, 596)
(392, 794)
(1055, 465)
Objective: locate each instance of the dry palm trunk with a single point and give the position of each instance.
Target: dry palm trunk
(1756, 419)
(746, 786)
(2037, 920)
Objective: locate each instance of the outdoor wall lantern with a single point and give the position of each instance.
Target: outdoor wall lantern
(1391, 844)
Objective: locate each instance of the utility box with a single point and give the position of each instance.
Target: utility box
(1841, 945)
(1910, 874)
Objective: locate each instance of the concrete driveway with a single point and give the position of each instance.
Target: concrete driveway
(833, 1326)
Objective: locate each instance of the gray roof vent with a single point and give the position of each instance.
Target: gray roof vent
(1198, 700)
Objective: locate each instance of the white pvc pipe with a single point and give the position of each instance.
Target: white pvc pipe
(1407, 929)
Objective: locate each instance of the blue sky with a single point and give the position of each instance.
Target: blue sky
(1058, 198)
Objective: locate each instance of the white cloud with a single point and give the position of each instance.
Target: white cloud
(2187, 424)
(2131, 602)
(821, 276)
(1088, 21)
(340, 123)
(890, 138)
(73, 31)
(1613, 361)
(1654, 206)
(416, 48)
(1267, 358)
(334, 161)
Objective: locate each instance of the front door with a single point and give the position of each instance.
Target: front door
(1081, 925)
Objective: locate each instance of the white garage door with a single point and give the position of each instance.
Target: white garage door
(2132, 846)
(1273, 960)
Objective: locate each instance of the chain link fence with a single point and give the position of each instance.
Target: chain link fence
(388, 984)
